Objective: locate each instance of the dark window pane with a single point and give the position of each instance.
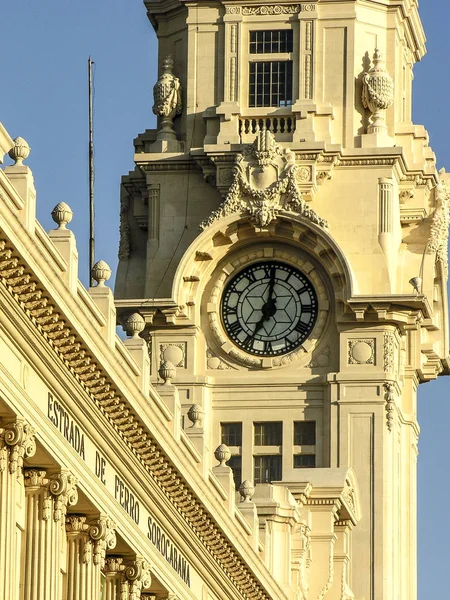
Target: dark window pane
(271, 83)
(235, 463)
(268, 434)
(271, 42)
(232, 434)
(267, 469)
(304, 461)
(305, 433)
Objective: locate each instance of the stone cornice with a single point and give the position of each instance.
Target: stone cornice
(38, 306)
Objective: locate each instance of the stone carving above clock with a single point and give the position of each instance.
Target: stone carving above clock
(265, 184)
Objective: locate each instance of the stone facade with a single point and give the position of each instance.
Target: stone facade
(315, 174)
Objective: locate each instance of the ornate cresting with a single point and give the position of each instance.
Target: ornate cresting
(168, 103)
(378, 93)
(264, 185)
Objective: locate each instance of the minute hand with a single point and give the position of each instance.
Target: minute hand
(271, 285)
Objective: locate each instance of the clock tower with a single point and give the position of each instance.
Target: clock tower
(284, 235)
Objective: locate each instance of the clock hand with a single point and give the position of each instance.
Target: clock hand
(271, 284)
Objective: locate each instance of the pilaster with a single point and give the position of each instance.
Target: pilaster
(47, 500)
(86, 554)
(16, 443)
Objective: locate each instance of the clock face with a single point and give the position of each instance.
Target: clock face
(269, 308)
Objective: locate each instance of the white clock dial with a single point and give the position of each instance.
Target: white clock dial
(269, 308)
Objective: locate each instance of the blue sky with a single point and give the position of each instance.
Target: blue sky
(43, 98)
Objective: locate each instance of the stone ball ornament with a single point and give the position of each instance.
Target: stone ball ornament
(20, 151)
(222, 454)
(246, 490)
(134, 325)
(101, 272)
(62, 215)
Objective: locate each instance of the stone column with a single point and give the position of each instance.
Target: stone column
(113, 573)
(86, 552)
(16, 443)
(47, 500)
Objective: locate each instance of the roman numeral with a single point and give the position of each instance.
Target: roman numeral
(248, 342)
(307, 308)
(301, 327)
(301, 290)
(234, 327)
(230, 310)
(268, 348)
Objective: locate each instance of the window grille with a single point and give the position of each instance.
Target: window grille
(270, 83)
(267, 469)
(268, 433)
(271, 42)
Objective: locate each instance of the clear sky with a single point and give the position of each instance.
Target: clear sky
(43, 98)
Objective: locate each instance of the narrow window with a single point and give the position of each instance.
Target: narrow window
(270, 83)
(267, 469)
(305, 433)
(268, 433)
(232, 434)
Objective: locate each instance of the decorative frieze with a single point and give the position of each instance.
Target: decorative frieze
(271, 9)
(389, 352)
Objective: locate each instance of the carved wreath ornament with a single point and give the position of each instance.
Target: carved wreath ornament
(264, 184)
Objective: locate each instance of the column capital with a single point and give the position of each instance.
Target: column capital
(63, 488)
(113, 565)
(102, 533)
(60, 491)
(34, 478)
(137, 577)
(16, 443)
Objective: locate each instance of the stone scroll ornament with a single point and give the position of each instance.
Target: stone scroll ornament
(438, 240)
(264, 185)
(167, 99)
(378, 93)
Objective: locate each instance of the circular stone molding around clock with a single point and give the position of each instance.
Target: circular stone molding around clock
(247, 280)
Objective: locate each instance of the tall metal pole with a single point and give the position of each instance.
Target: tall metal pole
(91, 178)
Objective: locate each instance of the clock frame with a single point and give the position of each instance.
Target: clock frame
(217, 336)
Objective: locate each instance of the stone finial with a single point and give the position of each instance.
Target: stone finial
(167, 92)
(378, 93)
(20, 151)
(222, 454)
(62, 215)
(246, 490)
(167, 372)
(101, 272)
(195, 414)
(168, 103)
(134, 325)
